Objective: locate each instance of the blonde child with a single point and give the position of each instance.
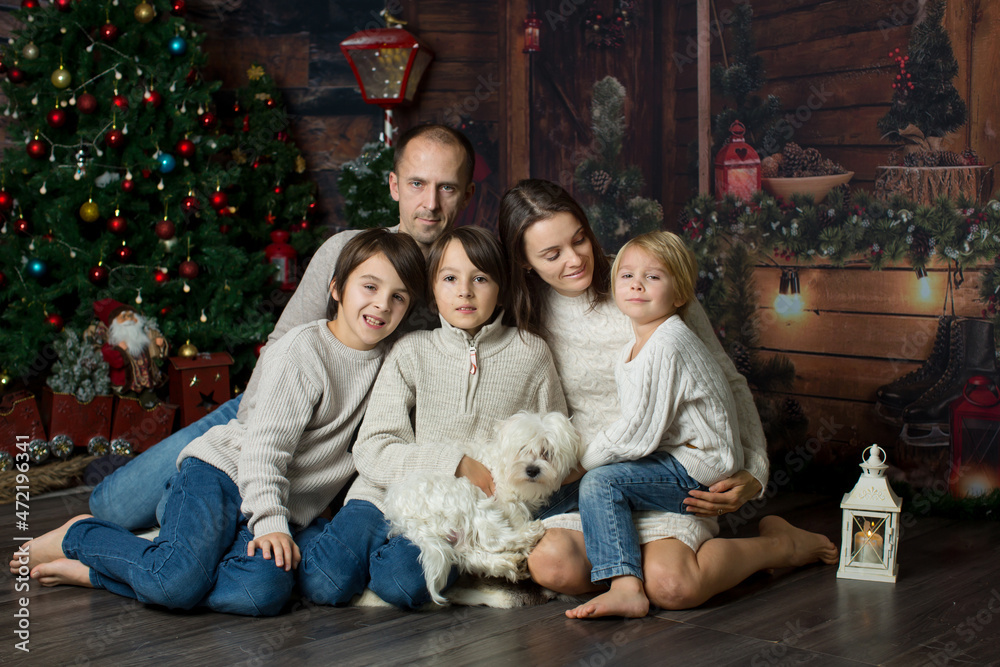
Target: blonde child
(678, 429)
(244, 488)
(437, 388)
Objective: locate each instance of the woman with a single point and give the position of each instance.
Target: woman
(560, 285)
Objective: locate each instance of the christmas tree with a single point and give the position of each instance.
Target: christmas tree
(618, 213)
(738, 84)
(923, 93)
(128, 186)
(364, 182)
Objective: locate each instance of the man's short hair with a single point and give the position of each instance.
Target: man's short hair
(441, 134)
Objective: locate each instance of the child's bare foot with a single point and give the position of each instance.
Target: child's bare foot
(626, 598)
(804, 547)
(62, 571)
(44, 549)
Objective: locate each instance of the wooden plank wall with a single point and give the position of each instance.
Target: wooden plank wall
(859, 329)
(828, 62)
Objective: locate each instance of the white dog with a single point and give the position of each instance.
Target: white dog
(454, 523)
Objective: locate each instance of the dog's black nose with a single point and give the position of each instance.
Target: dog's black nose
(532, 471)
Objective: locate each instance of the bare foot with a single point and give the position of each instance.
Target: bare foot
(62, 571)
(626, 599)
(804, 547)
(44, 549)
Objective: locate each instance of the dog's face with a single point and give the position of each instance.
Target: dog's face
(536, 452)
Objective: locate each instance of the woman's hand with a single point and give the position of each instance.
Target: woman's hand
(476, 473)
(286, 552)
(725, 496)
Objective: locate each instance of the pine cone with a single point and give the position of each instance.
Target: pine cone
(795, 159)
(829, 168)
(971, 158)
(741, 358)
(921, 244)
(951, 159)
(600, 180)
(793, 411)
(922, 159)
(813, 159)
(770, 167)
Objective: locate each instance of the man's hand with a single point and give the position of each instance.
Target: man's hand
(286, 552)
(725, 496)
(476, 473)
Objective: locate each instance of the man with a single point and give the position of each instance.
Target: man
(432, 181)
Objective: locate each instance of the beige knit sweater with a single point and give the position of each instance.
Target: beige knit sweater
(427, 401)
(289, 455)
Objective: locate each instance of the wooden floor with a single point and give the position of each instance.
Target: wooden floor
(945, 609)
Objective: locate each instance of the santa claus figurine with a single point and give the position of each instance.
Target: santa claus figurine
(131, 347)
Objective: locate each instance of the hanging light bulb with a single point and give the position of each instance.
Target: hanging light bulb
(789, 301)
(924, 283)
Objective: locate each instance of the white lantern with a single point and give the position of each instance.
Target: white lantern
(870, 532)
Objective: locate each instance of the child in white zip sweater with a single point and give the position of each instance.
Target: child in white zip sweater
(243, 489)
(678, 430)
(436, 389)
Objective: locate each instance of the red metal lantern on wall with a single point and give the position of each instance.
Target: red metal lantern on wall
(532, 33)
(388, 64)
(737, 166)
(975, 439)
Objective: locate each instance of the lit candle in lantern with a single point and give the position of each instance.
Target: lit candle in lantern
(867, 545)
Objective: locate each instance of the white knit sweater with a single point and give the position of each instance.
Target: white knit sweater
(289, 455)
(584, 344)
(673, 397)
(426, 401)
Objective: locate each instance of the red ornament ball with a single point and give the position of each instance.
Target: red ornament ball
(98, 275)
(312, 207)
(56, 118)
(185, 148)
(153, 98)
(257, 348)
(224, 229)
(145, 173)
(117, 224)
(6, 200)
(188, 269)
(120, 101)
(38, 149)
(128, 184)
(165, 229)
(63, 5)
(225, 211)
(207, 120)
(165, 311)
(190, 204)
(124, 253)
(109, 32)
(160, 276)
(178, 7)
(114, 138)
(22, 226)
(55, 321)
(29, 4)
(86, 103)
(278, 189)
(303, 225)
(15, 75)
(218, 199)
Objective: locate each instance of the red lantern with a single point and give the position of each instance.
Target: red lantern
(532, 33)
(737, 167)
(975, 439)
(388, 64)
(282, 256)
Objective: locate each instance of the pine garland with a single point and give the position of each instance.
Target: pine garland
(364, 184)
(80, 369)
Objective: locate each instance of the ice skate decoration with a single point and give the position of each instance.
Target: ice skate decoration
(870, 530)
(892, 399)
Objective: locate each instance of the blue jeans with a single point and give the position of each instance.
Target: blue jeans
(342, 556)
(566, 499)
(609, 495)
(199, 559)
(130, 496)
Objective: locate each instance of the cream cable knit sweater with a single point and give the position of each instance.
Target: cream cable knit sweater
(289, 456)
(673, 397)
(426, 401)
(584, 344)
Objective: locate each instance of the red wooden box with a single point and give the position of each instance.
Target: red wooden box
(141, 427)
(81, 422)
(19, 417)
(200, 384)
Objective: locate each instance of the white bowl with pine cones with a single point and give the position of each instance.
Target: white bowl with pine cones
(817, 186)
(801, 171)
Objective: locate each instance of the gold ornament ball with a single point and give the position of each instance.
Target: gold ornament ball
(30, 51)
(89, 211)
(61, 78)
(188, 351)
(144, 13)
